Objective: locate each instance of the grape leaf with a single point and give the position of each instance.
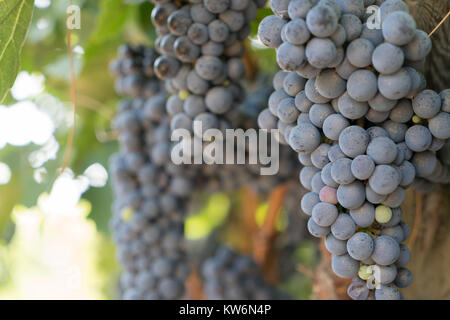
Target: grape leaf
(15, 18)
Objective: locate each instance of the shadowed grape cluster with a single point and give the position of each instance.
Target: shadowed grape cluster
(231, 276)
(153, 195)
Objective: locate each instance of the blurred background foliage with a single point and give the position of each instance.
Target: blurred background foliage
(55, 239)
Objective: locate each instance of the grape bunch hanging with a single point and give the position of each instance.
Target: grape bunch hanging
(153, 196)
(201, 46)
(351, 100)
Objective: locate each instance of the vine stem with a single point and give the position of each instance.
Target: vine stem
(194, 285)
(267, 233)
(305, 270)
(327, 285)
(250, 203)
(439, 24)
(417, 220)
(250, 63)
(72, 99)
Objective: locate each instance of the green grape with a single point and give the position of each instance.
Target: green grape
(383, 214)
(183, 94)
(365, 272)
(416, 119)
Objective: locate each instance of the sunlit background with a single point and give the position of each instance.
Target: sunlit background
(53, 244)
(55, 238)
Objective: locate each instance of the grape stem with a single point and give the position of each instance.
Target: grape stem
(327, 285)
(439, 24)
(360, 123)
(250, 205)
(417, 220)
(305, 270)
(267, 233)
(250, 63)
(194, 285)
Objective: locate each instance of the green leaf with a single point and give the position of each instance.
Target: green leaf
(113, 15)
(15, 18)
(110, 22)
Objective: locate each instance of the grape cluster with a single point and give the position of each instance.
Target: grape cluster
(245, 116)
(350, 100)
(230, 177)
(150, 194)
(149, 231)
(134, 72)
(429, 138)
(231, 276)
(201, 46)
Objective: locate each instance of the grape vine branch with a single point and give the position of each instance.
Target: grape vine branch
(267, 233)
(439, 24)
(72, 99)
(417, 220)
